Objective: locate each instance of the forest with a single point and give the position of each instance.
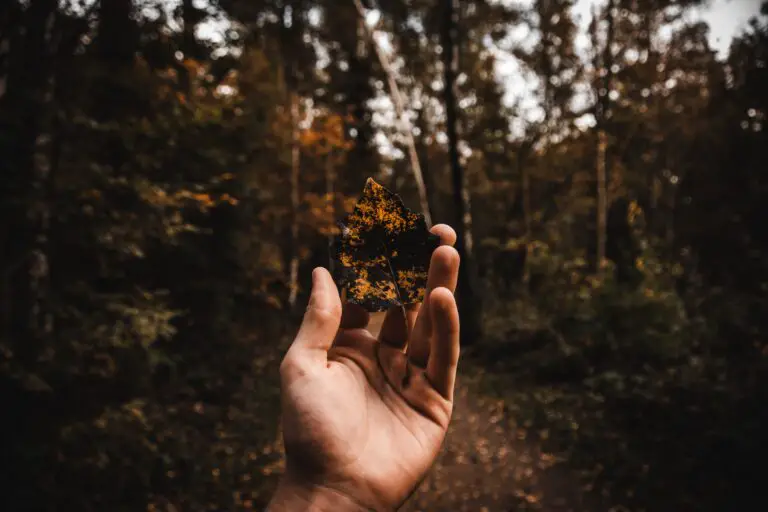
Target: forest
(172, 171)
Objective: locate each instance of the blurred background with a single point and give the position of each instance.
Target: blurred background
(173, 169)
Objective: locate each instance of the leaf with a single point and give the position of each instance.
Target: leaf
(382, 253)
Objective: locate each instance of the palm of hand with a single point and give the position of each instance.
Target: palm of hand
(370, 422)
(363, 417)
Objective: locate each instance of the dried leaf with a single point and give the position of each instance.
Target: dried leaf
(382, 254)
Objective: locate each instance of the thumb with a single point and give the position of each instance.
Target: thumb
(323, 316)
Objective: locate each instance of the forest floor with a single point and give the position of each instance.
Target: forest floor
(490, 464)
(643, 444)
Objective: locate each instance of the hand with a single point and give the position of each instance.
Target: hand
(364, 418)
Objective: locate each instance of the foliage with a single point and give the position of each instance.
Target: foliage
(151, 216)
(572, 325)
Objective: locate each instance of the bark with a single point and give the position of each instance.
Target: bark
(361, 157)
(525, 176)
(25, 163)
(293, 98)
(295, 201)
(118, 35)
(602, 164)
(602, 202)
(8, 21)
(469, 300)
(187, 46)
(330, 189)
(423, 151)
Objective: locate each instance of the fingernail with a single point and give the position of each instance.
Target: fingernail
(315, 278)
(316, 286)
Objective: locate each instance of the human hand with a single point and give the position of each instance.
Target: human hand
(364, 418)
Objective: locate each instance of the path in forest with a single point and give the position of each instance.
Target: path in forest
(489, 464)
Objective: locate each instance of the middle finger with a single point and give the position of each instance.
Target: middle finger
(396, 328)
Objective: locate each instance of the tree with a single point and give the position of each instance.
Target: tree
(469, 300)
(153, 231)
(604, 68)
(558, 71)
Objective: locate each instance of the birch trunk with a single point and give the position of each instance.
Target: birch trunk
(407, 129)
(295, 201)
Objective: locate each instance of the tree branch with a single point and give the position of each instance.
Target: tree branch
(397, 100)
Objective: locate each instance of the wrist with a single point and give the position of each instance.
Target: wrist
(292, 496)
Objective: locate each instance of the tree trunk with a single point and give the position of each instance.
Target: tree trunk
(525, 177)
(360, 157)
(423, 155)
(602, 201)
(9, 14)
(330, 190)
(187, 46)
(602, 164)
(468, 299)
(26, 112)
(295, 201)
(293, 98)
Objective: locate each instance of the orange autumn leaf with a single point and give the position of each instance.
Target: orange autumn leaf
(382, 255)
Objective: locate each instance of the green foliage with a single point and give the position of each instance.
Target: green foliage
(598, 324)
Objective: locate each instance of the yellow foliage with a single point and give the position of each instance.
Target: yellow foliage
(203, 201)
(193, 66)
(326, 136)
(226, 198)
